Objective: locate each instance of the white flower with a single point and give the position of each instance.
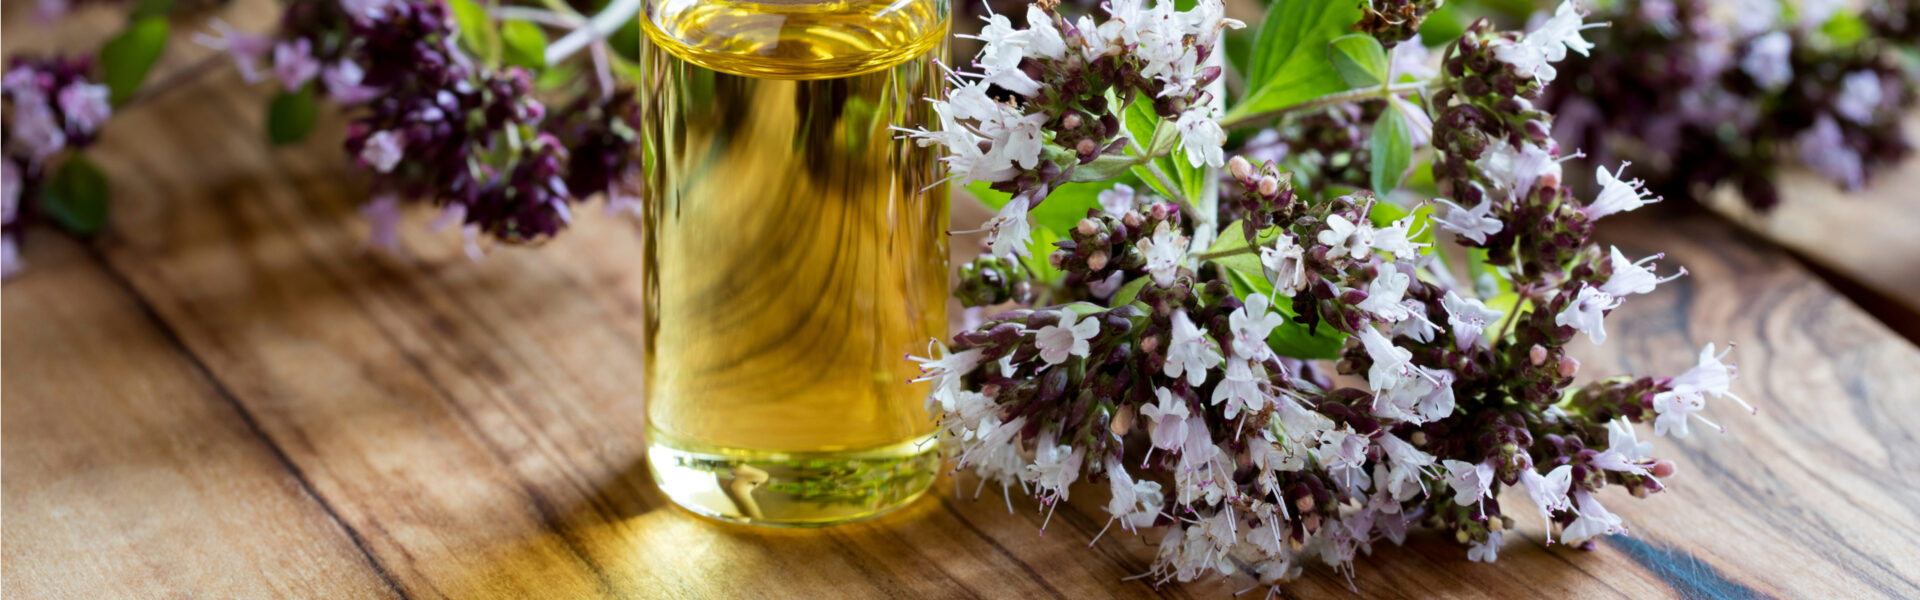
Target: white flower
(1470, 482)
(1468, 317)
(1344, 453)
(1043, 39)
(1625, 452)
(1587, 312)
(1472, 224)
(1687, 396)
(1711, 376)
(1516, 170)
(1548, 43)
(1391, 363)
(1347, 237)
(1241, 388)
(1397, 239)
(1283, 263)
(1616, 195)
(1191, 351)
(1488, 550)
(1527, 59)
(1860, 94)
(85, 105)
(1208, 19)
(1201, 137)
(1630, 278)
(1057, 342)
(1164, 252)
(1385, 292)
(1406, 467)
(1674, 407)
(1169, 419)
(1117, 201)
(1419, 124)
(382, 151)
(1416, 325)
(1561, 33)
(946, 371)
(1134, 504)
(1594, 521)
(1438, 404)
(1251, 324)
(1018, 141)
(1001, 46)
(1009, 232)
(1409, 58)
(1767, 60)
(1548, 492)
(1055, 467)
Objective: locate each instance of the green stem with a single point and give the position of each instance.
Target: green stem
(1206, 256)
(1234, 122)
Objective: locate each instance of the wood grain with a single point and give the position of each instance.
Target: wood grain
(129, 473)
(476, 428)
(1871, 236)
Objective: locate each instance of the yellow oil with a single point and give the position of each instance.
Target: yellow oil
(794, 254)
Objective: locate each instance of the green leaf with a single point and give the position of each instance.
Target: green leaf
(76, 196)
(1129, 292)
(476, 30)
(1289, 64)
(126, 59)
(1392, 151)
(1064, 207)
(1359, 59)
(1233, 237)
(525, 44)
(151, 8)
(1844, 29)
(1444, 23)
(1141, 123)
(1290, 338)
(290, 115)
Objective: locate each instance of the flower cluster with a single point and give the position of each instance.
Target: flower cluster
(1699, 93)
(1182, 371)
(435, 124)
(52, 108)
(1064, 79)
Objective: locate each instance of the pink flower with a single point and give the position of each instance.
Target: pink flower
(294, 64)
(382, 152)
(343, 83)
(247, 49)
(383, 220)
(85, 105)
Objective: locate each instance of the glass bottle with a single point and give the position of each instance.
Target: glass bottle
(795, 254)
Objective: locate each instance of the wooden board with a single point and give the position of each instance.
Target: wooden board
(362, 425)
(129, 473)
(1870, 237)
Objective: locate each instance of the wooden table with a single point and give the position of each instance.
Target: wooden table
(225, 396)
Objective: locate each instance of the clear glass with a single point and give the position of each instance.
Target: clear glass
(795, 254)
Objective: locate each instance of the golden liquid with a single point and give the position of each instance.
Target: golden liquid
(795, 254)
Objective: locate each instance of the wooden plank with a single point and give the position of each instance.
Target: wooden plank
(1868, 236)
(480, 424)
(128, 474)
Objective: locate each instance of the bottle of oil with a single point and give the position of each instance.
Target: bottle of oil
(794, 254)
